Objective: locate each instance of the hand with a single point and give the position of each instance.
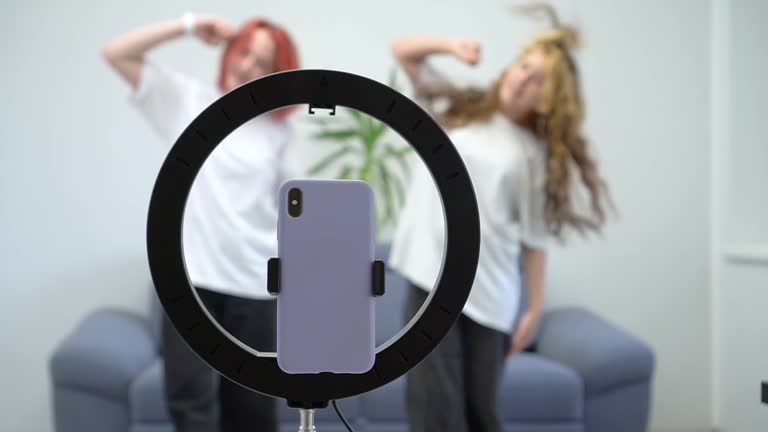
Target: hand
(467, 50)
(526, 329)
(213, 30)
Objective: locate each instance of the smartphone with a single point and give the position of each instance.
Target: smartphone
(325, 305)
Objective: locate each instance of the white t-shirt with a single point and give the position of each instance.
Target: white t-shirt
(230, 220)
(507, 165)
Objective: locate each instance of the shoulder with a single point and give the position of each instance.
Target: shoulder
(476, 130)
(157, 73)
(171, 87)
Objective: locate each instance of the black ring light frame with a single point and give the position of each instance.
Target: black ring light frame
(323, 89)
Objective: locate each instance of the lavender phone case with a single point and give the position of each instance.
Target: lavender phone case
(325, 308)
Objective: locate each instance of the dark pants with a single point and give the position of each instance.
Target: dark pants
(456, 387)
(190, 385)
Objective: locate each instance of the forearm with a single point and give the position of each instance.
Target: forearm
(417, 48)
(126, 52)
(534, 265)
(135, 43)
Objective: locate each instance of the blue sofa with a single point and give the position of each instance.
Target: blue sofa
(582, 375)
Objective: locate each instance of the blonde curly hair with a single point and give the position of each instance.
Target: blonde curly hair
(558, 123)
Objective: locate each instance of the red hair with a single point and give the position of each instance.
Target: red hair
(286, 55)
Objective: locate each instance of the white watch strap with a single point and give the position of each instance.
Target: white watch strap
(188, 19)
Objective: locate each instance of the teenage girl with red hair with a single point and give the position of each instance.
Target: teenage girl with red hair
(231, 211)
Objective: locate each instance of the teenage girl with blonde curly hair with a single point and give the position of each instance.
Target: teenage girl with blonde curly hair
(522, 143)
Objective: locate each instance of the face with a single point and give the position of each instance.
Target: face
(253, 60)
(521, 87)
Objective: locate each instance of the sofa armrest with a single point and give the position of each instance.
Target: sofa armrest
(605, 356)
(104, 353)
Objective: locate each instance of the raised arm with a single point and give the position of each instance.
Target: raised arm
(125, 53)
(411, 51)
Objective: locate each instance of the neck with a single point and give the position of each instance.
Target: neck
(525, 121)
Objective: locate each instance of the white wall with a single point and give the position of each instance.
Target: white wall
(77, 166)
(646, 68)
(747, 170)
(744, 353)
(742, 267)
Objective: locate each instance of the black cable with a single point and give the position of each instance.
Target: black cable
(341, 416)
